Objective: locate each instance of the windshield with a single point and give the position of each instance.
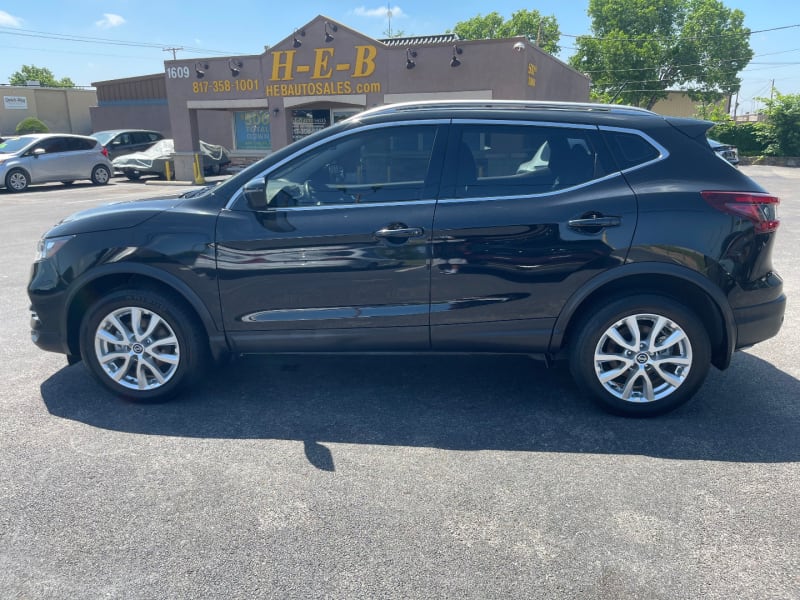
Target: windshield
(15, 144)
(103, 136)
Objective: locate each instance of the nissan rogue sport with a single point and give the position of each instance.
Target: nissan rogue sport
(611, 236)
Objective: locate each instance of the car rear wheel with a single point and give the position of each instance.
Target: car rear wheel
(133, 175)
(142, 345)
(641, 356)
(17, 180)
(100, 175)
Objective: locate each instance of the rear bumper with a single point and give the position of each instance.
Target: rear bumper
(757, 323)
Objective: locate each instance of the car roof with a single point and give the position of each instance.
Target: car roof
(573, 112)
(42, 136)
(126, 130)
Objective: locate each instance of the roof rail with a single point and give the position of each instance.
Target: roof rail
(506, 104)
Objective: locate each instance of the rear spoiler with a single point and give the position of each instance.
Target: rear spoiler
(693, 128)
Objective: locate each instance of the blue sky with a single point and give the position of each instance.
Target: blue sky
(111, 28)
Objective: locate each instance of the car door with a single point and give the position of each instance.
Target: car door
(338, 255)
(528, 212)
(45, 160)
(141, 141)
(121, 145)
(79, 157)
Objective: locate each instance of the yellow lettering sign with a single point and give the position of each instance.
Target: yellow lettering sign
(532, 68)
(278, 65)
(321, 68)
(365, 61)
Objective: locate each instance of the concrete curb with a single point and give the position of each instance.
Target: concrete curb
(209, 181)
(771, 161)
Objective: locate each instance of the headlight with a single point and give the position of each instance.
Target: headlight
(48, 247)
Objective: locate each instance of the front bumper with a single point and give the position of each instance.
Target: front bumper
(46, 339)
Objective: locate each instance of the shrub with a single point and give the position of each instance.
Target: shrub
(745, 136)
(781, 132)
(31, 125)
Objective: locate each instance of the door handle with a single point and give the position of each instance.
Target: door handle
(407, 232)
(595, 222)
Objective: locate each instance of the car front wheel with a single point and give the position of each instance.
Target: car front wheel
(17, 180)
(142, 345)
(641, 356)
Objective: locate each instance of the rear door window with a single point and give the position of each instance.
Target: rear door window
(496, 160)
(77, 144)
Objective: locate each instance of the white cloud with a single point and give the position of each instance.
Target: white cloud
(109, 20)
(7, 20)
(379, 13)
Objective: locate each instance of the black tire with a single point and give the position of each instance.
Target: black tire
(158, 358)
(133, 175)
(101, 175)
(641, 380)
(17, 180)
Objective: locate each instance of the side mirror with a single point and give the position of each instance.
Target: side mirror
(38, 152)
(255, 192)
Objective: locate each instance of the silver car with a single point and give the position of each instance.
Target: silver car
(45, 157)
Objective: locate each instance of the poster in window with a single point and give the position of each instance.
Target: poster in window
(306, 122)
(251, 129)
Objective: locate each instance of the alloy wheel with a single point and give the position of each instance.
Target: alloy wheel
(137, 348)
(643, 358)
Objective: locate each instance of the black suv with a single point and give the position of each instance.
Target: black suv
(608, 235)
(119, 142)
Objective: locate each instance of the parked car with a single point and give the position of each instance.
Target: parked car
(726, 151)
(118, 142)
(153, 161)
(635, 253)
(45, 157)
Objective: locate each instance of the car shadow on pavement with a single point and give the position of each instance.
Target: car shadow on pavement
(750, 413)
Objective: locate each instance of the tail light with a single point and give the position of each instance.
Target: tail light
(760, 209)
(104, 151)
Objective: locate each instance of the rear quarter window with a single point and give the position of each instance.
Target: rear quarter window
(631, 150)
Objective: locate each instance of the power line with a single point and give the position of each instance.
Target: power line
(104, 41)
(666, 39)
(173, 50)
(651, 68)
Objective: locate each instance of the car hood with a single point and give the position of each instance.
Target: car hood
(119, 215)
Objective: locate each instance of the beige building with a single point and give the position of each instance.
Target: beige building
(63, 110)
(318, 74)
(679, 104)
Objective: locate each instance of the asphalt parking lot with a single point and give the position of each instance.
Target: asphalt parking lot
(390, 477)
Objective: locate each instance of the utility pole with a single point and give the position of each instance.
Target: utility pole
(173, 50)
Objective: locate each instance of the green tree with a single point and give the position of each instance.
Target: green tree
(781, 131)
(41, 74)
(641, 48)
(31, 125)
(529, 23)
